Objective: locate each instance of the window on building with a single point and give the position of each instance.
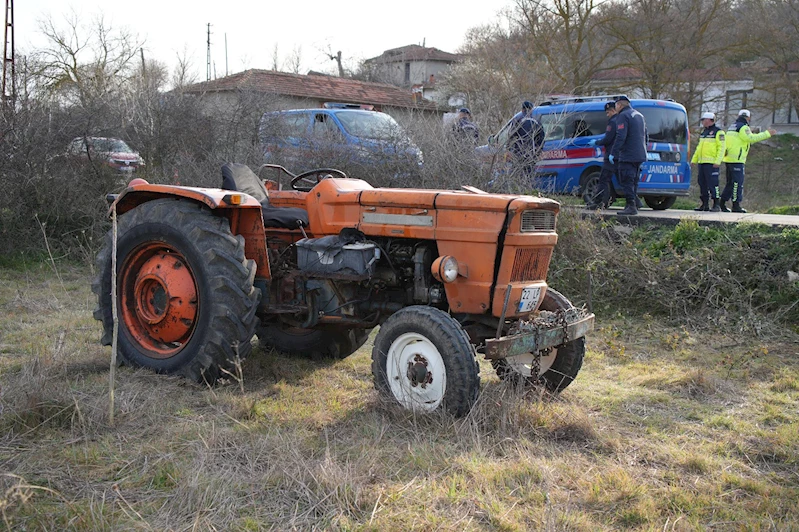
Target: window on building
(407, 73)
(734, 102)
(787, 114)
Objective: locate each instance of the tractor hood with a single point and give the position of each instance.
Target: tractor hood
(470, 199)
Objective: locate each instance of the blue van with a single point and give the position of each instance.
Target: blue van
(344, 136)
(568, 165)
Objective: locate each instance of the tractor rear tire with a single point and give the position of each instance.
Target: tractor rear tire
(423, 360)
(314, 344)
(558, 366)
(185, 296)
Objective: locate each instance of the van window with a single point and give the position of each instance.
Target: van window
(665, 125)
(565, 126)
(279, 125)
(369, 125)
(324, 127)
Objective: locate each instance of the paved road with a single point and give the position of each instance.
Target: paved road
(673, 216)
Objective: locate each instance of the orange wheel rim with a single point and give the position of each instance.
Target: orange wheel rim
(158, 299)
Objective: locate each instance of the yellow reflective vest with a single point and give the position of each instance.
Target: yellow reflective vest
(710, 149)
(739, 138)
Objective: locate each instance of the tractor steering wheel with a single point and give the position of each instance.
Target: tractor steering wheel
(307, 178)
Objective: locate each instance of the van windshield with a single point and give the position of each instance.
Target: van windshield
(369, 125)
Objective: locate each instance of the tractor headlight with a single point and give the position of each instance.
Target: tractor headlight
(445, 269)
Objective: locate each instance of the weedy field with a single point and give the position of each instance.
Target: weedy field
(667, 427)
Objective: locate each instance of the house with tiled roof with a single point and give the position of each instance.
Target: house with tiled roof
(289, 91)
(409, 66)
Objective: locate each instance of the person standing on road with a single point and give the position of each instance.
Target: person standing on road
(602, 198)
(707, 157)
(629, 151)
(739, 138)
(526, 140)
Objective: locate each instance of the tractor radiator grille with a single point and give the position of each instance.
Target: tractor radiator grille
(538, 220)
(531, 264)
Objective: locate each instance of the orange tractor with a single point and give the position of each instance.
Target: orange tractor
(312, 269)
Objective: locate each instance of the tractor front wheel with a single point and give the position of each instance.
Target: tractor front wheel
(423, 360)
(557, 367)
(185, 296)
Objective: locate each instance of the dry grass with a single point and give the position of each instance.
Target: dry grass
(657, 433)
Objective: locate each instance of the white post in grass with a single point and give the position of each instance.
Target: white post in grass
(112, 373)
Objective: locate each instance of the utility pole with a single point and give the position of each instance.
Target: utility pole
(9, 94)
(225, 54)
(208, 67)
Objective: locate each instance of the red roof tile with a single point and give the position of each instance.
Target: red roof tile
(326, 88)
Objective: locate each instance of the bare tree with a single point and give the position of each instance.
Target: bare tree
(182, 74)
(497, 74)
(568, 35)
(275, 58)
(84, 62)
(775, 37)
(663, 40)
(294, 61)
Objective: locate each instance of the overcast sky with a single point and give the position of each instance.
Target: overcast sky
(359, 28)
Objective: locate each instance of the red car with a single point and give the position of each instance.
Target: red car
(108, 151)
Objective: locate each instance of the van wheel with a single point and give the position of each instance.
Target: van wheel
(590, 188)
(659, 203)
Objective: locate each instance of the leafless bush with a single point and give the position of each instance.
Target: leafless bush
(684, 273)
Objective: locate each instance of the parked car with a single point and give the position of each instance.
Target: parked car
(111, 152)
(568, 165)
(338, 135)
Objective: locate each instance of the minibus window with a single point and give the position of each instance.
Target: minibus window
(665, 125)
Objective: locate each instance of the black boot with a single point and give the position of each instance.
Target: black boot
(715, 207)
(703, 207)
(736, 207)
(638, 203)
(629, 210)
(724, 207)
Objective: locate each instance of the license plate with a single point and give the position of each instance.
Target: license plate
(529, 298)
(650, 156)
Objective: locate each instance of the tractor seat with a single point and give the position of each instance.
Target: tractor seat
(239, 177)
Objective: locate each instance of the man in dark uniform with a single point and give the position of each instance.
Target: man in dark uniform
(464, 128)
(602, 198)
(526, 140)
(629, 151)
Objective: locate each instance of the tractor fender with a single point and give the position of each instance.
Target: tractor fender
(214, 198)
(242, 211)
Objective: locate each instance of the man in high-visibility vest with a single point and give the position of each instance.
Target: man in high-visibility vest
(707, 157)
(739, 138)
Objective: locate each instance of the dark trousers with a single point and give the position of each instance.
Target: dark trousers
(734, 187)
(605, 185)
(628, 180)
(708, 180)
